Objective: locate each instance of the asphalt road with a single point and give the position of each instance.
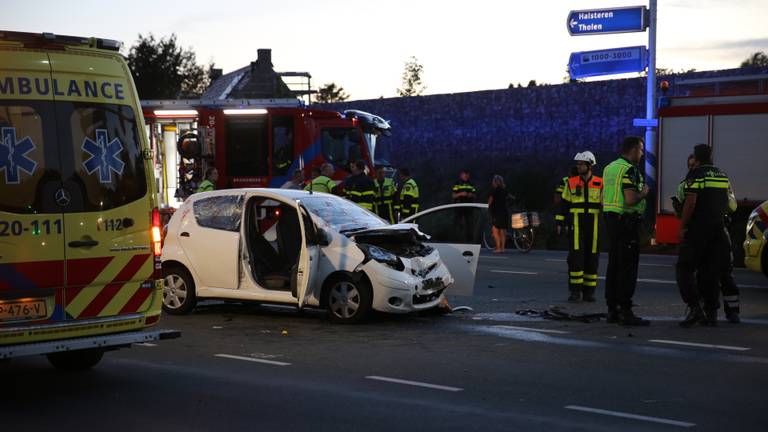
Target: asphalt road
(248, 367)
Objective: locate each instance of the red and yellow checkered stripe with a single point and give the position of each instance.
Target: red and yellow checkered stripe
(130, 288)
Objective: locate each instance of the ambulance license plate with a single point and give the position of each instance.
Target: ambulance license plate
(22, 310)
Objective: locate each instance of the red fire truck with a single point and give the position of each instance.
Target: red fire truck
(253, 143)
(731, 115)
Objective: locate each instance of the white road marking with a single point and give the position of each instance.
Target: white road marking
(146, 344)
(700, 345)
(751, 286)
(414, 383)
(630, 416)
(555, 260)
(642, 264)
(660, 281)
(251, 359)
(514, 272)
(493, 257)
(531, 329)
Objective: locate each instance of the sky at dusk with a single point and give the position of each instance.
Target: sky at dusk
(362, 45)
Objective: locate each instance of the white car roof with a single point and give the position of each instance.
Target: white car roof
(293, 194)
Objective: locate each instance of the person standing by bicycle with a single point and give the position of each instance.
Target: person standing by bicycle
(580, 208)
(497, 207)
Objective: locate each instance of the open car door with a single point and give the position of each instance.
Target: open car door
(455, 232)
(302, 279)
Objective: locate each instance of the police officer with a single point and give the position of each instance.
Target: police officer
(407, 195)
(624, 194)
(385, 196)
(209, 184)
(728, 286)
(704, 244)
(580, 208)
(359, 188)
(463, 190)
(323, 182)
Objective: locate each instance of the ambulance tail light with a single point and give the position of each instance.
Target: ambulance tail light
(157, 242)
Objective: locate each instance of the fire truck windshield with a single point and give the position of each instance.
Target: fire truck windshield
(341, 145)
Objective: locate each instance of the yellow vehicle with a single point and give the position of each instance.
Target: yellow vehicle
(755, 249)
(79, 229)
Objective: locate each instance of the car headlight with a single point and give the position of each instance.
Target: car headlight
(383, 256)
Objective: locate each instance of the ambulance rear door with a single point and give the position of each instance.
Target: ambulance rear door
(105, 174)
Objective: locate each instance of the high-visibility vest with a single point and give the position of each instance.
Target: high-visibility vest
(206, 186)
(408, 201)
(321, 184)
(617, 176)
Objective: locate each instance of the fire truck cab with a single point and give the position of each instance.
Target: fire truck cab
(731, 115)
(253, 143)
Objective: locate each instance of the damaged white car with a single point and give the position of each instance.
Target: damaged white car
(305, 249)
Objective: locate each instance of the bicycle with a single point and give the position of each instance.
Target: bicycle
(521, 233)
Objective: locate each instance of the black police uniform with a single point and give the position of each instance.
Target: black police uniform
(705, 248)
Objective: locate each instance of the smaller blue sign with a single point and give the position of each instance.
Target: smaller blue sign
(602, 21)
(608, 62)
(641, 122)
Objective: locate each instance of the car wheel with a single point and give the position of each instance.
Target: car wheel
(76, 360)
(178, 291)
(349, 301)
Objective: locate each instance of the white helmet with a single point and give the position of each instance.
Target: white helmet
(586, 156)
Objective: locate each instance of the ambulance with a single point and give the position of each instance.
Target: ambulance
(80, 236)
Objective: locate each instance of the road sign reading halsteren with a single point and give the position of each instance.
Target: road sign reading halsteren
(607, 62)
(602, 21)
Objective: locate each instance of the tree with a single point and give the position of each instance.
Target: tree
(758, 59)
(412, 85)
(532, 83)
(164, 70)
(330, 93)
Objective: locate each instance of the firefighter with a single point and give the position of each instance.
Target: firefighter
(385, 195)
(359, 188)
(728, 286)
(580, 207)
(704, 243)
(322, 182)
(407, 195)
(624, 194)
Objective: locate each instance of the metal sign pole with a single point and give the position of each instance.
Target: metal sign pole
(651, 161)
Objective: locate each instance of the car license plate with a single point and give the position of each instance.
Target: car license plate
(21, 310)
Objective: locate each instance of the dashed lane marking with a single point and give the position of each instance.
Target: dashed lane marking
(532, 329)
(414, 383)
(514, 272)
(630, 416)
(252, 359)
(146, 344)
(642, 264)
(699, 345)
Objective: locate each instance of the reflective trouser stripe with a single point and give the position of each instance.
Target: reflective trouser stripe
(590, 280)
(576, 273)
(595, 213)
(731, 301)
(576, 281)
(576, 212)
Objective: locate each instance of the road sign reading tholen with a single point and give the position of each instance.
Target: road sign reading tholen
(608, 62)
(602, 21)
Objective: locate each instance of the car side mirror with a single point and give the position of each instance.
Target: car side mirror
(323, 238)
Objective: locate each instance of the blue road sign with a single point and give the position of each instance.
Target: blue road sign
(602, 21)
(608, 62)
